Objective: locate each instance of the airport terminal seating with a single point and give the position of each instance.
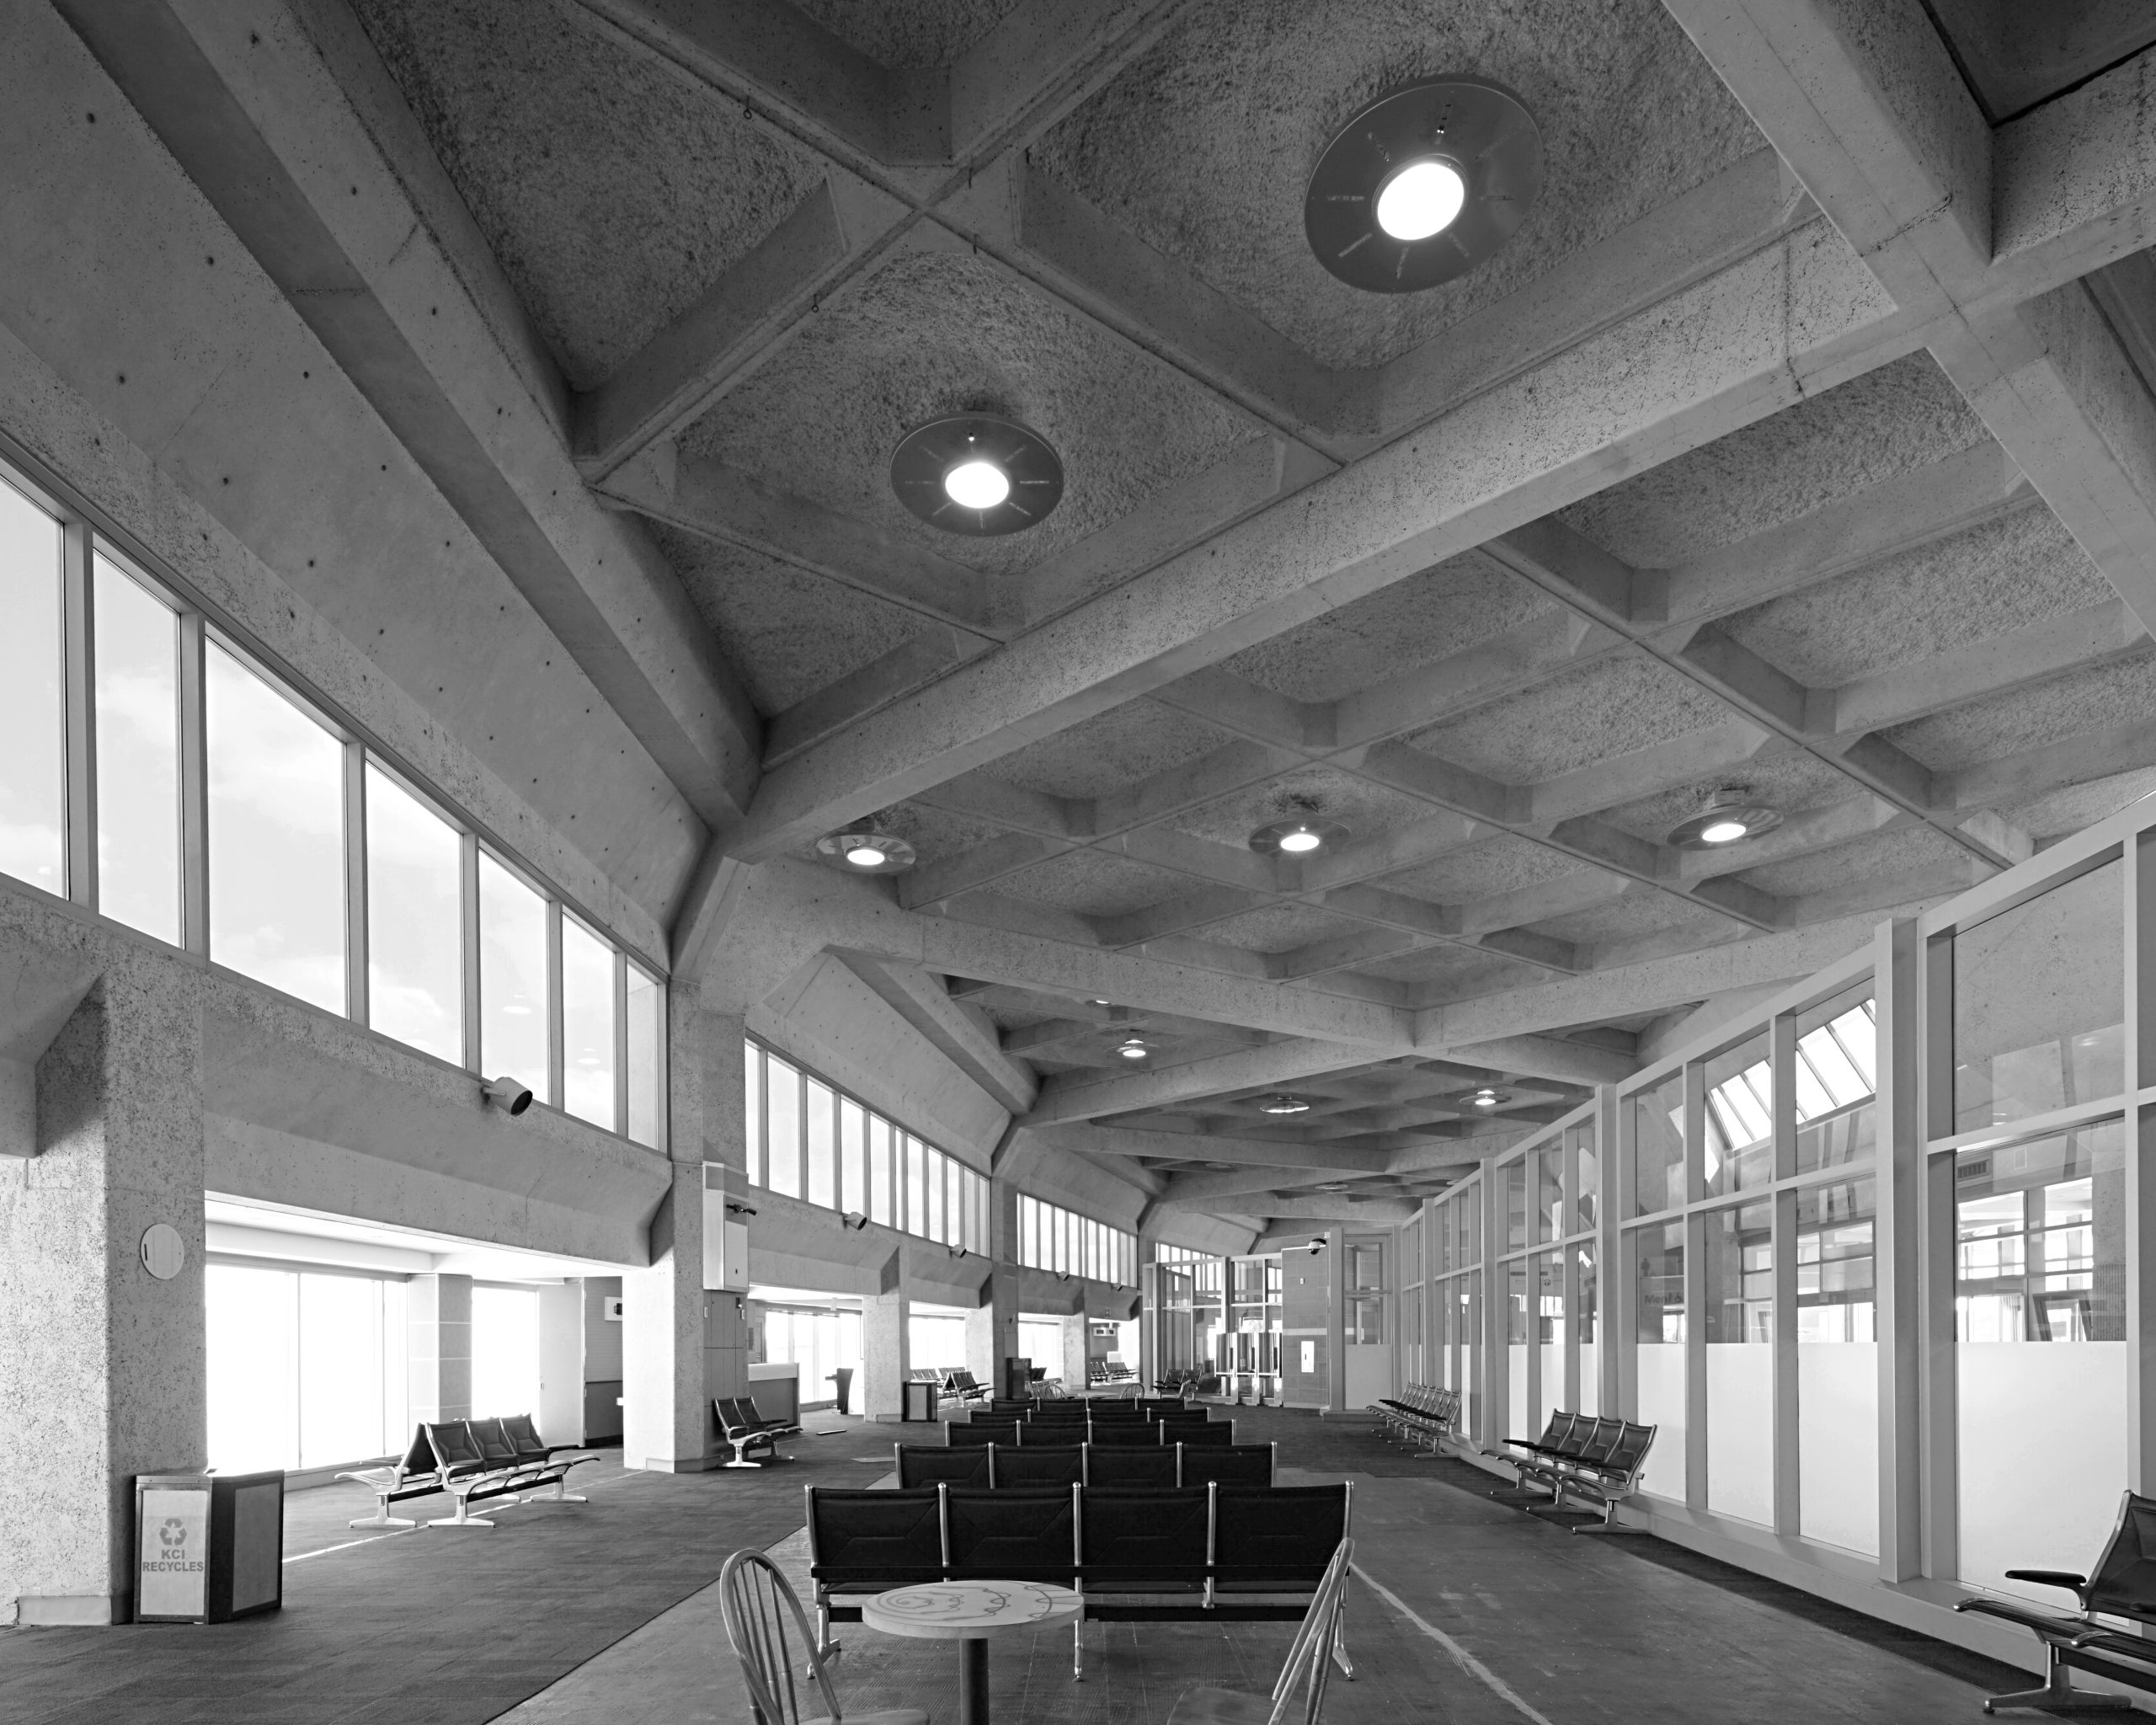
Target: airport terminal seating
(1594, 1458)
(2122, 1586)
(1108, 1431)
(963, 1386)
(1002, 1466)
(1176, 1554)
(474, 1461)
(1422, 1414)
(741, 1425)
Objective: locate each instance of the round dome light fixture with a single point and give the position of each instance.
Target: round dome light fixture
(1280, 1102)
(1486, 1097)
(1423, 184)
(978, 474)
(1727, 816)
(1134, 1048)
(1299, 837)
(867, 851)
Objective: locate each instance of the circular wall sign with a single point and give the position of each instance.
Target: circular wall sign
(164, 1251)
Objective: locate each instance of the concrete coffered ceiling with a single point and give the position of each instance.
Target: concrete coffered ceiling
(1800, 439)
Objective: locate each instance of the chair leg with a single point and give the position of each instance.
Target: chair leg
(740, 1453)
(1339, 1657)
(2059, 1694)
(1077, 1652)
(463, 1518)
(382, 1517)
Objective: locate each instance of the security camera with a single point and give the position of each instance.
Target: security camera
(958, 1252)
(735, 1208)
(854, 1219)
(1316, 1246)
(508, 1094)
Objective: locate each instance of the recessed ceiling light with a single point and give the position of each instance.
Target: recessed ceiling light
(1100, 1003)
(1420, 198)
(1284, 1103)
(977, 474)
(1422, 184)
(1299, 837)
(1728, 815)
(867, 851)
(1134, 1048)
(976, 484)
(1486, 1097)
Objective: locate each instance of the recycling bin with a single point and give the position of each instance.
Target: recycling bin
(917, 1401)
(209, 1546)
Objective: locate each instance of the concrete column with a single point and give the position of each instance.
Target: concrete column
(102, 1373)
(1074, 1352)
(438, 1348)
(667, 1422)
(992, 1329)
(884, 1356)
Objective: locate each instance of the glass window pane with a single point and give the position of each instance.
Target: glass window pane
(512, 978)
(138, 754)
(953, 1203)
(587, 1025)
(1658, 1138)
(853, 1157)
(1587, 1175)
(1549, 1199)
(1587, 1315)
(647, 1030)
(1739, 1150)
(1740, 1309)
(783, 1109)
(276, 837)
(822, 1146)
(341, 1382)
(505, 1352)
(752, 1109)
(2039, 993)
(1515, 1179)
(1658, 1275)
(879, 1171)
(916, 1221)
(2041, 1245)
(1836, 1365)
(33, 718)
(1835, 1059)
(938, 1162)
(252, 1331)
(415, 921)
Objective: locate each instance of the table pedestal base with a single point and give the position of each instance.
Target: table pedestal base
(972, 1681)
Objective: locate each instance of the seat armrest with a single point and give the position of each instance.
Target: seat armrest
(2050, 1577)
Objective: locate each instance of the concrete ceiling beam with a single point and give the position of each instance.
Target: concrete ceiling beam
(964, 1037)
(1550, 1057)
(712, 501)
(1070, 1098)
(1872, 113)
(290, 126)
(937, 882)
(1124, 1140)
(1726, 352)
(929, 654)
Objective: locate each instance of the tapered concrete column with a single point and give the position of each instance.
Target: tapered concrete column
(438, 1350)
(1073, 1353)
(666, 1423)
(884, 1355)
(992, 1329)
(101, 1362)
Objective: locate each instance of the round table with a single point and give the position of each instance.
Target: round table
(970, 1613)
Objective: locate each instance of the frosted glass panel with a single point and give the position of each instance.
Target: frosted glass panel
(138, 756)
(1660, 1369)
(1590, 1395)
(415, 921)
(1740, 1432)
(1837, 1443)
(2041, 1369)
(587, 1025)
(2038, 998)
(1587, 1317)
(505, 1352)
(33, 795)
(276, 838)
(1516, 1403)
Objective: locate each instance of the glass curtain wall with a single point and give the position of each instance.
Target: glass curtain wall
(315, 867)
(305, 1367)
(1456, 1231)
(808, 1139)
(1053, 1238)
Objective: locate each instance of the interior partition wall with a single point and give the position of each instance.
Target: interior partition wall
(1874, 1260)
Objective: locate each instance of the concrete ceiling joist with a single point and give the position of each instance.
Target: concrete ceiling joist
(1878, 123)
(285, 119)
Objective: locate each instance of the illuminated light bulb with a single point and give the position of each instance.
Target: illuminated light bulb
(976, 484)
(1723, 832)
(1301, 840)
(866, 856)
(1422, 198)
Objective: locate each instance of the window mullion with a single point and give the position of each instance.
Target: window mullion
(355, 882)
(78, 637)
(193, 789)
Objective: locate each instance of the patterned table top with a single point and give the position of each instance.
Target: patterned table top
(964, 1609)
